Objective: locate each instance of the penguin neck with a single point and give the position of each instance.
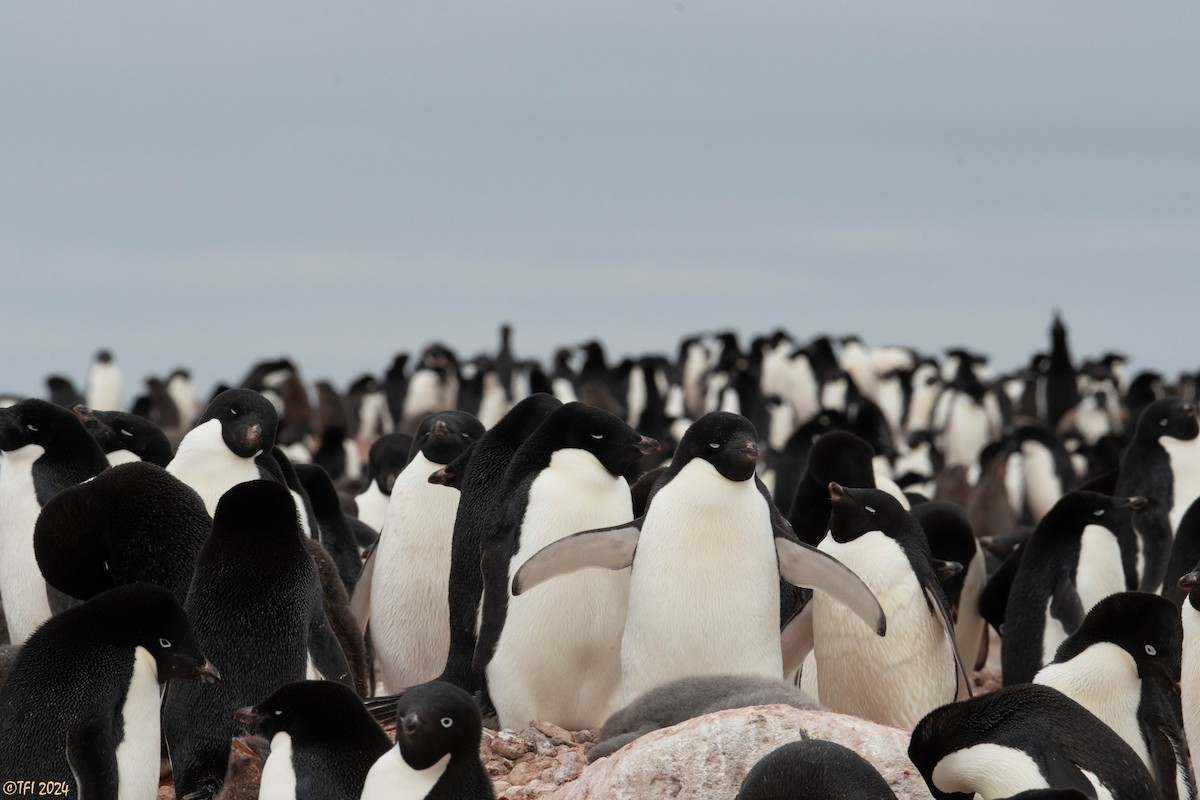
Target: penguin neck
(582, 468)
(206, 463)
(279, 774)
(1184, 457)
(392, 777)
(137, 754)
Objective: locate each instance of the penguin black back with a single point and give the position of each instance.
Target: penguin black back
(812, 769)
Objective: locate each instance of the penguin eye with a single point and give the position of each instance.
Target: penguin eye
(233, 412)
(165, 642)
(1162, 423)
(597, 436)
(279, 712)
(868, 508)
(466, 436)
(32, 428)
(124, 432)
(447, 722)
(1150, 651)
(715, 445)
(1099, 512)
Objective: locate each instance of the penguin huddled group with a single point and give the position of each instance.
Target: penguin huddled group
(615, 548)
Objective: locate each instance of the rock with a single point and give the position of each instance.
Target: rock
(510, 745)
(556, 734)
(708, 757)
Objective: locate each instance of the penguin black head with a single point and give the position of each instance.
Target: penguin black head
(443, 436)
(248, 421)
(1144, 625)
(150, 617)
(727, 441)
(310, 710)
(387, 458)
(1076, 510)
(843, 457)
(38, 422)
(263, 508)
(435, 719)
(860, 511)
(1169, 416)
(117, 430)
(606, 436)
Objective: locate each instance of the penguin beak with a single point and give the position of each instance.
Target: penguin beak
(207, 673)
(82, 413)
(440, 430)
(249, 716)
(647, 446)
(1189, 581)
(1189, 410)
(443, 476)
(1136, 503)
(838, 495)
(410, 723)
(252, 438)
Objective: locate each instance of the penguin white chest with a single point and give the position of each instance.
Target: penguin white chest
(1184, 457)
(278, 774)
(391, 778)
(21, 584)
(1099, 572)
(138, 752)
(206, 463)
(373, 506)
(703, 596)
(894, 679)
(1190, 684)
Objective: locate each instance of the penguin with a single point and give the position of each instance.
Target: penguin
(436, 756)
(1162, 464)
(410, 565)
(1190, 660)
(951, 539)
(63, 392)
(1072, 561)
(1024, 737)
(334, 530)
(104, 382)
(1185, 553)
(221, 451)
(132, 523)
(1057, 387)
(1123, 665)
(323, 741)
(898, 678)
(183, 392)
(256, 608)
(480, 497)
(125, 437)
(86, 683)
(1039, 472)
(566, 477)
(386, 459)
(993, 600)
(812, 769)
(45, 450)
(784, 468)
(687, 698)
(711, 523)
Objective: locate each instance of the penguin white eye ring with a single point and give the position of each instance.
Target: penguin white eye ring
(1099, 512)
(1150, 651)
(279, 712)
(33, 428)
(466, 435)
(1162, 423)
(597, 436)
(164, 642)
(447, 722)
(868, 508)
(124, 432)
(715, 445)
(233, 412)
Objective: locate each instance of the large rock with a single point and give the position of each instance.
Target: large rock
(708, 757)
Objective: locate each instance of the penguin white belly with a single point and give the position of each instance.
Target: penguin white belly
(372, 506)
(1099, 571)
(22, 587)
(1042, 486)
(894, 679)
(1104, 680)
(391, 778)
(635, 400)
(1014, 483)
(563, 390)
(137, 753)
(104, 388)
(1184, 456)
(970, 627)
(890, 399)
(966, 432)
(410, 612)
(423, 396)
(205, 463)
(120, 457)
(278, 773)
(1190, 683)
(558, 657)
(703, 595)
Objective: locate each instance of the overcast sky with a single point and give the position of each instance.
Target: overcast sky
(206, 184)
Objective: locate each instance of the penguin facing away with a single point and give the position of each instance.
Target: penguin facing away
(86, 684)
(436, 756)
(812, 769)
(567, 476)
(711, 523)
(323, 741)
(1123, 665)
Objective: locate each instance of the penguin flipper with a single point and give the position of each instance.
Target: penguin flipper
(939, 608)
(324, 649)
(1065, 605)
(981, 654)
(612, 548)
(92, 756)
(802, 565)
(360, 599)
(1161, 724)
(1062, 774)
(796, 639)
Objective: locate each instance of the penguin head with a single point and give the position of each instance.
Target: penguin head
(261, 508)
(387, 458)
(248, 421)
(118, 430)
(157, 623)
(307, 710)
(442, 437)
(36, 422)
(842, 457)
(1190, 583)
(1147, 626)
(727, 441)
(1075, 510)
(1169, 416)
(435, 719)
(860, 511)
(606, 436)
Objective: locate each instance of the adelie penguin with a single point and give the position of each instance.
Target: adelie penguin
(436, 756)
(566, 477)
(45, 450)
(86, 686)
(1072, 561)
(385, 462)
(1123, 665)
(1162, 464)
(323, 742)
(256, 607)
(812, 769)
(125, 437)
(710, 523)
(897, 678)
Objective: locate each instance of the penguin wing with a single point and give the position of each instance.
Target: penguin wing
(981, 654)
(1065, 605)
(936, 600)
(1061, 773)
(324, 649)
(1160, 719)
(611, 548)
(802, 565)
(796, 639)
(360, 599)
(92, 756)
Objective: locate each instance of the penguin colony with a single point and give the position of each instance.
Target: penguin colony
(617, 548)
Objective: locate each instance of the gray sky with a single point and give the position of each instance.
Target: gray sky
(208, 184)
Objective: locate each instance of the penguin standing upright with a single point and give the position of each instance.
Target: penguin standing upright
(385, 461)
(1162, 464)
(1058, 388)
(255, 606)
(45, 450)
(1072, 561)
(95, 669)
(566, 477)
(898, 678)
(710, 523)
(410, 622)
(104, 382)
